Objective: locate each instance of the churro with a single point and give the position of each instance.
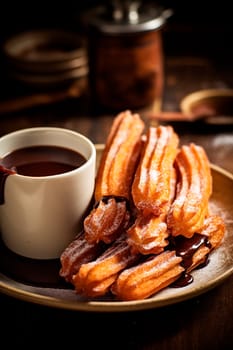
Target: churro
(145, 279)
(190, 206)
(120, 156)
(95, 278)
(153, 190)
(151, 185)
(79, 251)
(148, 235)
(107, 220)
(114, 178)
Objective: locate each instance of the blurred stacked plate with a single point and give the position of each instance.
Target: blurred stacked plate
(46, 58)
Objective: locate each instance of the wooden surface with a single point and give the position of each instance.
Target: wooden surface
(204, 322)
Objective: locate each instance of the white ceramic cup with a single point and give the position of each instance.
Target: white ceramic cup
(41, 215)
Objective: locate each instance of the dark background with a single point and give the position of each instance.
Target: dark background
(196, 27)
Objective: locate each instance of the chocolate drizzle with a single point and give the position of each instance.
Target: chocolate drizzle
(4, 173)
(118, 199)
(185, 248)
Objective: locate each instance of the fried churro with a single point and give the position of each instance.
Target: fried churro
(120, 156)
(148, 235)
(79, 251)
(114, 179)
(153, 190)
(95, 278)
(190, 206)
(107, 220)
(148, 277)
(151, 185)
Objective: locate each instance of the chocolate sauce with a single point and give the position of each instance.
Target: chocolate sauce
(185, 279)
(42, 160)
(185, 248)
(118, 199)
(38, 161)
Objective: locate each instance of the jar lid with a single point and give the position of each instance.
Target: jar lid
(125, 17)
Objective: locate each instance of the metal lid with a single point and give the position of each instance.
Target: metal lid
(125, 17)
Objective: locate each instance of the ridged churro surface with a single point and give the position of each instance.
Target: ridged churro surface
(151, 185)
(190, 207)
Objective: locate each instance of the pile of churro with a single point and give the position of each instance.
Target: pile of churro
(151, 223)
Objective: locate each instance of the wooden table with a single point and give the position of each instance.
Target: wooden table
(204, 322)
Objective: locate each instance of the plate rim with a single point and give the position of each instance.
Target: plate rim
(12, 288)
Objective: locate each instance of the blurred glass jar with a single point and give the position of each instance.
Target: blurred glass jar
(125, 54)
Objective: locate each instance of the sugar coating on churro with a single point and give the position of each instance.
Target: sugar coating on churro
(120, 156)
(194, 187)
(151, 185)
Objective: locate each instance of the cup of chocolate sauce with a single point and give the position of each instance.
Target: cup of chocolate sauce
(47, 179)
